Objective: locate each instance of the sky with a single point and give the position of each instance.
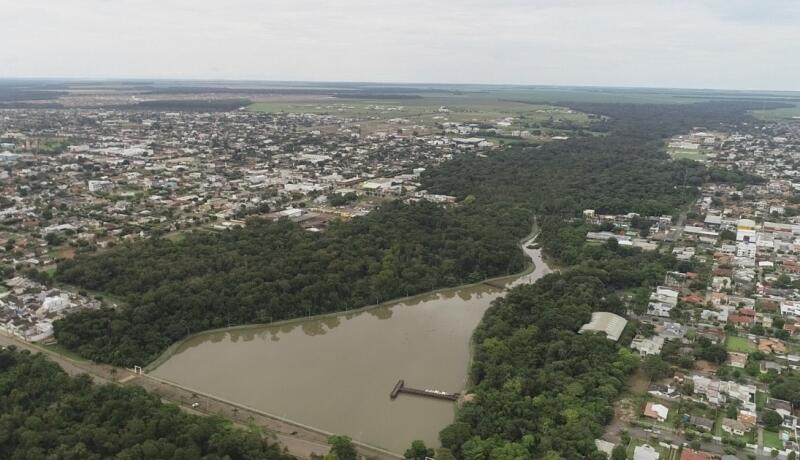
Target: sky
(724, 44)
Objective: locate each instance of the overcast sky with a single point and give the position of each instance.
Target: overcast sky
(729, 44)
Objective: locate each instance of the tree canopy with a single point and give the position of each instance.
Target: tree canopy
(44, 413)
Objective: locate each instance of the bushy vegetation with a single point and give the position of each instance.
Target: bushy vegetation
(44, 413)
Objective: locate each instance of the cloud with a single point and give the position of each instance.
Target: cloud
(682, 43)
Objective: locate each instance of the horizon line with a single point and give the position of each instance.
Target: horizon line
(387, 83)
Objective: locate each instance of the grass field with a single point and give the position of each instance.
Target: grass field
(695, 155)
(739, 344)
(62, 252)
(772, 440)
(56, 348)
(789, 113)
(422, 114)
(176, 237)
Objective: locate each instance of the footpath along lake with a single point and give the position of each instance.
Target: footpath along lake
(335, 373)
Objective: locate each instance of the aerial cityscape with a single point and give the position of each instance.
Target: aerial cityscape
(275, 261)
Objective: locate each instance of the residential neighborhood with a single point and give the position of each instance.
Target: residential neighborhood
(719, 338)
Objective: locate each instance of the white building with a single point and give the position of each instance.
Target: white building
(99, 186)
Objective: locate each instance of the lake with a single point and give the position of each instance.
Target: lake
(335, 373)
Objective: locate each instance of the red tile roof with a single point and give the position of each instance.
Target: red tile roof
(689, 454)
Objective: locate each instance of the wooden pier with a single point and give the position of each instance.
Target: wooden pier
(400, 387)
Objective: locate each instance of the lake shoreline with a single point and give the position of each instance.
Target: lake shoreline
(529, 268)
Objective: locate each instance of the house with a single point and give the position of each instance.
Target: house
(691, 454)
(780, 406)
(733, 427)
(647, 345)
(714, 335)
(767, 366)
(718, 392)
(604, 446)
(663, 391)
(662, 301)
(769, 345)
(645, 452)
(789, 422)
(744, 393)
(740, 320)
(675, 279)
(670, 330)
(790, 309)
(792, 328)
(747, 418)
(694, 298)
(701, 423)
(737, 359)
(710, 388)
(656, 411)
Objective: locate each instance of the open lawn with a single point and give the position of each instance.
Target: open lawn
(772, 440)
(739, 344)
(761, 400)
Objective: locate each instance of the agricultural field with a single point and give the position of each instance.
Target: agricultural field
(424, 114)
(789, 113)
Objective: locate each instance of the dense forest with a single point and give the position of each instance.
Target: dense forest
(44, 413)
(270, 271)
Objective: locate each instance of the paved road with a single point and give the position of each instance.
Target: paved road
(677, 230)
(299, 440)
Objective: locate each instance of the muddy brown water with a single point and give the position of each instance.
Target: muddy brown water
(335, 373)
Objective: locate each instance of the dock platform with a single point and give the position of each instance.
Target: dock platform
(400, 387)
